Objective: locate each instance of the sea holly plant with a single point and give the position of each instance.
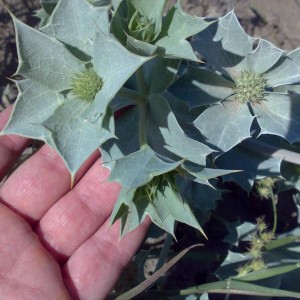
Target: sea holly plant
(73, 67)
(166, 97)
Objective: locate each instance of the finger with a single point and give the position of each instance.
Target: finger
(38, 183)
(79, 214)
(25, 267)
(11, 147)
(93, 269)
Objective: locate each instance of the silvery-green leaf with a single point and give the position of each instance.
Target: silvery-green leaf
(232, 35)
(159, 73)
(224, 44)
(43, 59)
(164, 209)
(168, 207)
(138, 168)
(181, 109)
(140, 47)
(291, 88)
(74, 137)
(200, 196)
(124, 206)
(202, 174)
(200, 87)
(286, 71)
(75, 23)
(116, 3)
(152, 10)
(35, 104)
(163, 130)
(279, 114)
(263, 57)
(126, 140)
(226, 125)
(254, 166)
(114, 64)
(177, 27)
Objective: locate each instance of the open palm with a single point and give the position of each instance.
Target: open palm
(56, 242)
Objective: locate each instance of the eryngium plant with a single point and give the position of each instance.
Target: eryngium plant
(90, 59)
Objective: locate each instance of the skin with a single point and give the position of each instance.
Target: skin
(56, 242)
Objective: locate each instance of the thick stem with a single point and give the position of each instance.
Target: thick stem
(142, 123)
(142, 107)
(274, 201)
(141, 81)
(164, 252)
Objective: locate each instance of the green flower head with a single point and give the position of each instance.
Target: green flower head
(86, 84)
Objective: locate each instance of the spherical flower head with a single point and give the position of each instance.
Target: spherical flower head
(250, 87)
(86, 84)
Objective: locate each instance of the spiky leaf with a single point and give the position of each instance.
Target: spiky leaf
(165, 135)
(75, 23)
(226, 125)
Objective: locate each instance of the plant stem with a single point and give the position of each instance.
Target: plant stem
(164, 252)
(274, 200)
(142, 123)
(142, 107)
(141, 82)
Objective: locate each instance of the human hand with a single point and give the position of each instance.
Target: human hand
(56, 243)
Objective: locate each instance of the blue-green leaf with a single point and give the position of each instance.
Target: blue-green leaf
(152, 10)
(286, 71)
(164, 133)
(177, 27)
(226, 125)
(75, 138)
(198, 195)
(34, 105)
(138, 168)
(159, 73)
(199, 87)
(75, 23)
(126, 139)
(202, 174)
(165, 208)
(263, 57)
(43, 59)
(254, 166)
(279, 114)
(224, 44)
